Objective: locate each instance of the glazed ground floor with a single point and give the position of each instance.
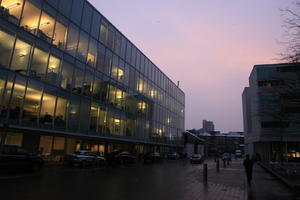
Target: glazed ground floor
(275, 150)
(52, 147)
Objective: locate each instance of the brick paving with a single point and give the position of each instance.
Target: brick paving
(228, 184)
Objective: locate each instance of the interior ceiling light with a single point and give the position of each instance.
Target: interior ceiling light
(13, 5)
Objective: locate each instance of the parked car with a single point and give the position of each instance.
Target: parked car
(152, 157)
(196, 159)
(18, 159)
(124, 157)
(84, 158)
(173, 156)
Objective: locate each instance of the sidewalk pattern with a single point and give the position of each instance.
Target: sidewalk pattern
(228, 184)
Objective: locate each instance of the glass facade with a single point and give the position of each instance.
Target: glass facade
(71, 70)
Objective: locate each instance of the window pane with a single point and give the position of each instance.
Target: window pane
(96, 24)
(128, 52)
(117, 43)
(17, 98)
(88, 83)
(6, 95)
(47, 110)
(39, 64)
(6, 47)
(97, 86)
(60, 113)
(114, 68)
(100, 57)
(20, 57)
(14, 9)
(53, 69)
(45, 148)
(76, 13)
(46, 27)
(60, 35)
(92, 54)
(65, 7)
(73, 36)
(108, 62)
(67, 76)
(123, 48)
(110, 38)
(30, 18)
(78, 80)
(103, 33)
(15, 139)
(102, 124)
(82, 46)
(94, 113)
(84, 115)
(73, 113)
(32, 103)
(87, 17)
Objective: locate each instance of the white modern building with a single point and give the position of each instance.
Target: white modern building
(271, 112)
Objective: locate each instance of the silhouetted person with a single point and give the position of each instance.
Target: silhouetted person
(248, 164)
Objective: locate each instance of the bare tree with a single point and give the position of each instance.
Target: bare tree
(291, 40)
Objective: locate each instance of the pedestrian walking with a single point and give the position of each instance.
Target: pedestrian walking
(248, 164)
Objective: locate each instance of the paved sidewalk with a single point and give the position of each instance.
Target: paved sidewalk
(228, 184)
(267, 187)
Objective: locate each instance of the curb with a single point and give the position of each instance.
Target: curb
(291, 186)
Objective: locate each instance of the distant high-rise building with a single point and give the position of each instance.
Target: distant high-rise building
(271, 112)
(208, 126)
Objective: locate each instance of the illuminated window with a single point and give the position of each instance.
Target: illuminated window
(94, 114)
(45, 147)
(46, 27)
(53, 69)
(14, 139)
(60, 35)
(30, 18)
(32, 102)
(6, 47)
(59, 143)
(47, 109)
(39, 64)
(14, 9)
(140, 86)
(92, 53)
(60, 113)
(20, 57)
(17, 98)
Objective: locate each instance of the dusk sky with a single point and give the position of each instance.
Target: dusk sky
(210, 46)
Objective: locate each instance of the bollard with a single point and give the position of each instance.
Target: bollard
(224, 163)
(218, 165)
(205, 174)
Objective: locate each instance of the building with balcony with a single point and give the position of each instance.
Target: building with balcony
(70, 80)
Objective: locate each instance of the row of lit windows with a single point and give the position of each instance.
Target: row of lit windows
(29, 103)
(37, 62)
(48, 25)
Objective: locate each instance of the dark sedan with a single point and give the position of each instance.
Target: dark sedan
(152, 157)
(124, 157)
(84, 159)
(196, 159)
(18, 159)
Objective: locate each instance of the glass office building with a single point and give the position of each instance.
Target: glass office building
(70, 80)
